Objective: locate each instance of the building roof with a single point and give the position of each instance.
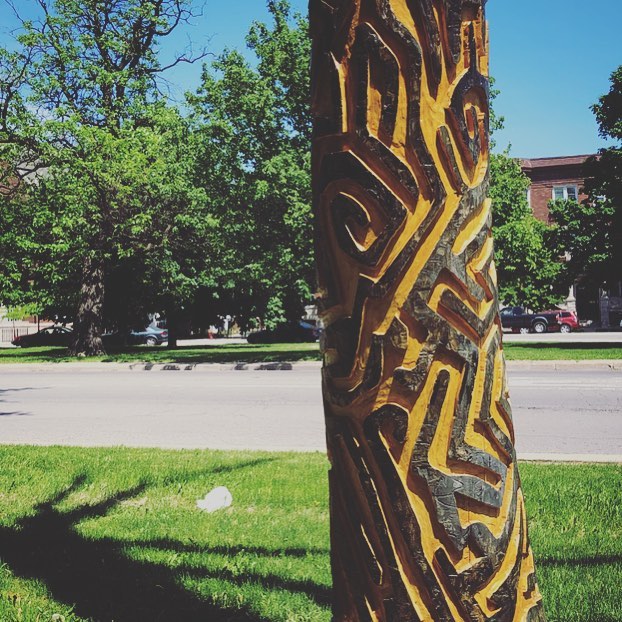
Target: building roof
(531, 163)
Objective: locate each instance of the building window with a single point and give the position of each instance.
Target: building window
(566, 193)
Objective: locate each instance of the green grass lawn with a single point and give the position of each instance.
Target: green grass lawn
(100, 534)
(290, 352)
(562, 351)
(258, 353)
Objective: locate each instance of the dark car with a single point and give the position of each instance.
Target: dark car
(51, 336)
(290, 332)
(149, 336)
(519, 321)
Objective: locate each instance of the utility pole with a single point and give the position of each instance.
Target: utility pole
(427, 514)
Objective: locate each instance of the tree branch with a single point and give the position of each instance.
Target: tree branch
(190, 60)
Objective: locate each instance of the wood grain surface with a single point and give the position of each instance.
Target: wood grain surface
(427, 515)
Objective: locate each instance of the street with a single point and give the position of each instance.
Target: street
(569, 412)
(613, 338)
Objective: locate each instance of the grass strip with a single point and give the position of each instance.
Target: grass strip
(562, 351)
(289, 352)
(250, 353)
(114, 534)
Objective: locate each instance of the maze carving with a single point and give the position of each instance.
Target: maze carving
(427, 514)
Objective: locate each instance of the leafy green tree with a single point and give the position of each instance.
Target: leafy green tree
(170, 248)
(256, 127)
(161, 245)
(528, 268)
(254, 163)
(508, 189)
(608, 110)
(529, 271)
(496, 122)
(590, 233)
(81, 127)
(17, 230)
(583, 233)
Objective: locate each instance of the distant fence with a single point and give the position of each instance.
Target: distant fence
(8, 333)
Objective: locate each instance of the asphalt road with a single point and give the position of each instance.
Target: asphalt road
(612, 338)
(557, 412)
(582, 336)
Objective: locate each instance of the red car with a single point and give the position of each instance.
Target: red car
(565, 321)
(568, 321)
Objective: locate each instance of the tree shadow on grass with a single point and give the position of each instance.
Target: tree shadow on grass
(228, 353)
(235, 549)
(233, 353)
(99, 581)
(318, 593)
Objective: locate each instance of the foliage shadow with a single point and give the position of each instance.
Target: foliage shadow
(101, 582)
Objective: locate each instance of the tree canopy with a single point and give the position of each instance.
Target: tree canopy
(590, 233)
(254, 126)
(528, 267)
(117, 203)
(83, 127)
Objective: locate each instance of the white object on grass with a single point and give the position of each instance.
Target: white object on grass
(216, 499)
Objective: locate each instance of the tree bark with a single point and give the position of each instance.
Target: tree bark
(87, 327)
(172, 326)
(427, 514)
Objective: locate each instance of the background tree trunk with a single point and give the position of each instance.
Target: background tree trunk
(87, 327)
(172, 320)
(427, 513)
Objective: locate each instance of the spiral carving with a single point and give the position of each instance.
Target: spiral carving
(427, 514)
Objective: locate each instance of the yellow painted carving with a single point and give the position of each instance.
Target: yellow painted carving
(419, 318)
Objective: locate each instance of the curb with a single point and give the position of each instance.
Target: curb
(156, 367)
(63, 367)
(594, 365)
(578, 458)
(591, 365)
(559, 365)
(222, 367)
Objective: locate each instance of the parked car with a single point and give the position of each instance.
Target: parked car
(51, 336)
(519, 321)
(566, 321)
(291, 332)
(149, 336)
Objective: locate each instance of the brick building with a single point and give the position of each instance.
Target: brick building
(553, 178)
(563, 178)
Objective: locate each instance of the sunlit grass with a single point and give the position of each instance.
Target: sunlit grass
(250, 353)
(562, 351)
(114, 534)
(289, 352)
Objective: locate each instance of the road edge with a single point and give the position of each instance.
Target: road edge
(243, 366)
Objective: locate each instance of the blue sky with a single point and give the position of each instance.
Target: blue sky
(551, 60)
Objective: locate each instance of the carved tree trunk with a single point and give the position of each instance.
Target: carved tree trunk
(427, 514)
